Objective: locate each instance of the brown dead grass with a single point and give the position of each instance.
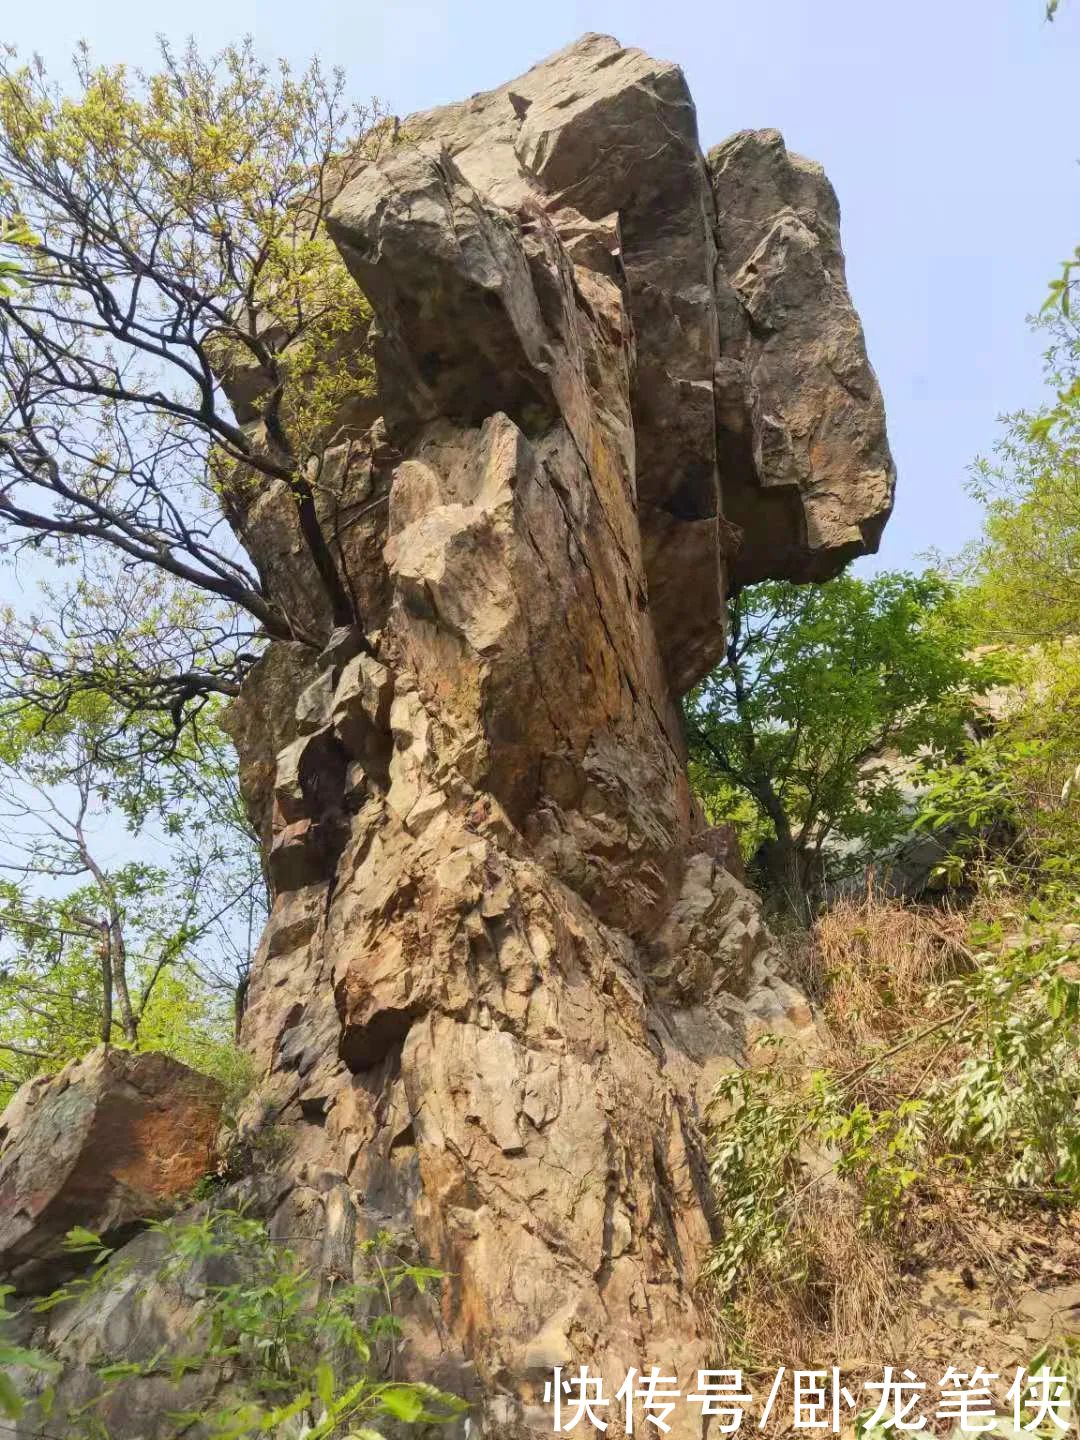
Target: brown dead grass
(873, 966)
(831, 1308)
(870, 963)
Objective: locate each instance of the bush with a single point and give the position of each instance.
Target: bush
(1012, 798)
(292, 1353)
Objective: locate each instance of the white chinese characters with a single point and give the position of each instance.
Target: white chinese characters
(813, 1400)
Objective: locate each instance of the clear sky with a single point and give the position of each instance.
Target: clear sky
(948, 128)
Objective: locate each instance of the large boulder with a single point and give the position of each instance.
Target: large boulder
(816, 485)
(506, 960)
(109, 1141)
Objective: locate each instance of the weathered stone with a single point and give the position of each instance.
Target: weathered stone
(344, 643)
(262, 721)
(820, 487)
(598, 131)
(361, 712)
(302, 853)
(602, 140)
(310, 777)
(480, 309)
(722, 843)
(315, 704)
(507, 960)
(109, 1141)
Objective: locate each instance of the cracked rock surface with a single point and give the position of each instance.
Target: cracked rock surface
(109, 1141)
(506, 961)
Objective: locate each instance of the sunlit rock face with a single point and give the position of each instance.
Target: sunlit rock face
(506, 960)
(107, 1143)
(753, 403)
(815, 484)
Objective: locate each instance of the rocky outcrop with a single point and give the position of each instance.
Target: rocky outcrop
(506, 961)
(819, 486)
(758, 427)
(108, 1142)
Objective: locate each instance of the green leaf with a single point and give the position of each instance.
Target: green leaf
(11, 1355)
(403, 1402)
(421, 1275)
(324, 1384)
(11, 1402)
(78, 1239)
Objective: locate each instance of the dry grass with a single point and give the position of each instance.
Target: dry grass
(870, 963)
(872, 966)
(842, 1293)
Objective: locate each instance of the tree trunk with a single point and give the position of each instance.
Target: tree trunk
(105, 951)
(113, 940)
(129, 1022)
(789, 880)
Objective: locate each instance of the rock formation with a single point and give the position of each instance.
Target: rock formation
(110, 1141)
(505, 962)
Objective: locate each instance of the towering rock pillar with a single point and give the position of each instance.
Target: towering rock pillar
(504, 966)
(506, 963)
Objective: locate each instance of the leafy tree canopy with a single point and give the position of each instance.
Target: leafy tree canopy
(791, 734)
(1023, 574)
(137, 938)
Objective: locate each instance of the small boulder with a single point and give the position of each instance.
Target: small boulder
(107, 1142)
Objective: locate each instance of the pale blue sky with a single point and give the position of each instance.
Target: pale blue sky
(949, 130)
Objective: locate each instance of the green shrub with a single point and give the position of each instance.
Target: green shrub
(293, 1353)
(980, 1092)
